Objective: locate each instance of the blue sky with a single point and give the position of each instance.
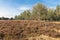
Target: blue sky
(10, 8)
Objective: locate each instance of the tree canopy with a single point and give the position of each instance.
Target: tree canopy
(40, 12)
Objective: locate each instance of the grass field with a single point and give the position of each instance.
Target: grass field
(29, 30)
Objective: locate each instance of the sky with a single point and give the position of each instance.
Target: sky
(11, 8)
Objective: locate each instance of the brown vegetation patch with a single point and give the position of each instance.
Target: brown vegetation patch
(20, 29)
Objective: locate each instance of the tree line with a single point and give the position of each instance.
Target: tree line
(6, 18)
(40, 12)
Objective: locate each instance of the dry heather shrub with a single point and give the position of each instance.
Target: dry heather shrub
(2, 35)
(34, 39)
(26, 39)
(22, 29)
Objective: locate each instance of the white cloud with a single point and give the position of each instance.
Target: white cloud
(8, 12)
(7, 9)
(11, 12)
(52, 7)
(22, 8)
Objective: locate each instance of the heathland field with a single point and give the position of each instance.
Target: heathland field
(29, 30)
